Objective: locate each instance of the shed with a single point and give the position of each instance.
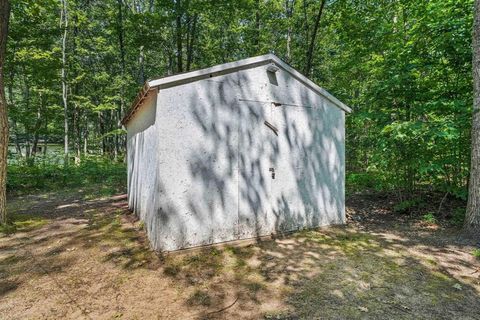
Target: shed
(236, 151)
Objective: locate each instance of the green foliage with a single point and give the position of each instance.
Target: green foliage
(403, 66)
(45, 176)
(458, 217)
(476, 253)
(429, 218)
(367, 181)
(407, 205)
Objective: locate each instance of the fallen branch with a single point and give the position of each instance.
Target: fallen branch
(441, 203)
(223, 309)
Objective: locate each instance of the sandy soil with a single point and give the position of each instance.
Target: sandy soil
(73, 258)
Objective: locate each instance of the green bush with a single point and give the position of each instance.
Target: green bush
(476, 253)
(364, 181)
(429, 218)
(407, 205)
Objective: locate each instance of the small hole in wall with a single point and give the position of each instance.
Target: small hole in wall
(211, 75)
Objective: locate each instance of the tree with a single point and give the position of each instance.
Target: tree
(472, 218)
(64, 24)
(4, 18)
(311, 47)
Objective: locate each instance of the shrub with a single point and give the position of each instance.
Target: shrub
(429, 218)
(407, 205)
(476, 253)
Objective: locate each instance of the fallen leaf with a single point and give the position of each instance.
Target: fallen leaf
(364, 309)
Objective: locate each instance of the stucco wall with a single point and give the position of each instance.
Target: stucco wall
(199, 171)
(142, 156)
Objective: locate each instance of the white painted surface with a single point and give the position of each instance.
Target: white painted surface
(199, 156)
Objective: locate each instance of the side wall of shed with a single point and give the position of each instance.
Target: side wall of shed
(142, 158)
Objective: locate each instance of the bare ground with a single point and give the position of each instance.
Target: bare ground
(74, 258)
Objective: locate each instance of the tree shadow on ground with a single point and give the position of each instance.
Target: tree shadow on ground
(361, 271)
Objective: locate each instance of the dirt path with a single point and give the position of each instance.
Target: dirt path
(75, 258)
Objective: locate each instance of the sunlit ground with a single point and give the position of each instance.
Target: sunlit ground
(74, 255)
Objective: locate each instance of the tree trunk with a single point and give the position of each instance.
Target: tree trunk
(141, 63)
(311, 47)
(179, 36)
(64, 23)
(14, 124)
(4, 17)
(36, 130)
(472, 217)
(121, 108)
(289, 5)
(257, 28)
(191, 41)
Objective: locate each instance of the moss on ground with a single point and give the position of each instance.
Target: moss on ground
(22, 222)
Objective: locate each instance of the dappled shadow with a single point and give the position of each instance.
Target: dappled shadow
(333, 273)
(237, 156)
(330, 273)
(47, 249)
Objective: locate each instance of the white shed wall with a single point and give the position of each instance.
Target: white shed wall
(199, 160)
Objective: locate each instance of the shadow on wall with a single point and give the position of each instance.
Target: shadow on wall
(307, 155)
(209, 169)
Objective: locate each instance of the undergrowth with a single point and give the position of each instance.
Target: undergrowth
(24, 178)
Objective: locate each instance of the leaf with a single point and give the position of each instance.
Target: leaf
(363, 309)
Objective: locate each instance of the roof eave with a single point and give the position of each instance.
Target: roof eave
(225, 68)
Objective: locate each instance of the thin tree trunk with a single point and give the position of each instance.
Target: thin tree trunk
(4, 18)
(289, 5)
(257, 27)
(26, 99)
(45, 137)
(64, 23)
(14, 124)
(18, 147)
(76, 130)
(472, 217)
(306, 25)
(36, 129)
(141, 62)
(311, 47)
(85, 142)
(121, 109)
(179, 36)
(191, 41)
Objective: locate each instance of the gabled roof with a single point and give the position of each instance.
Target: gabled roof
(182, 78)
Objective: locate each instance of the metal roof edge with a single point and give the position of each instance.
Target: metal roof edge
(174, 80)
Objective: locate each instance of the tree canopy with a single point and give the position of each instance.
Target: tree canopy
(403, 66)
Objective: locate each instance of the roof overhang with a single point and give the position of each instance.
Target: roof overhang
(178, 79)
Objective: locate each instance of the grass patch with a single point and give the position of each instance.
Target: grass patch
(22, 223)
(195, 267)
(200, 298)
(429, 218)
(476, 253)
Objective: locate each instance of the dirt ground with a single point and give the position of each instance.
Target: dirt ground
(73, 257)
